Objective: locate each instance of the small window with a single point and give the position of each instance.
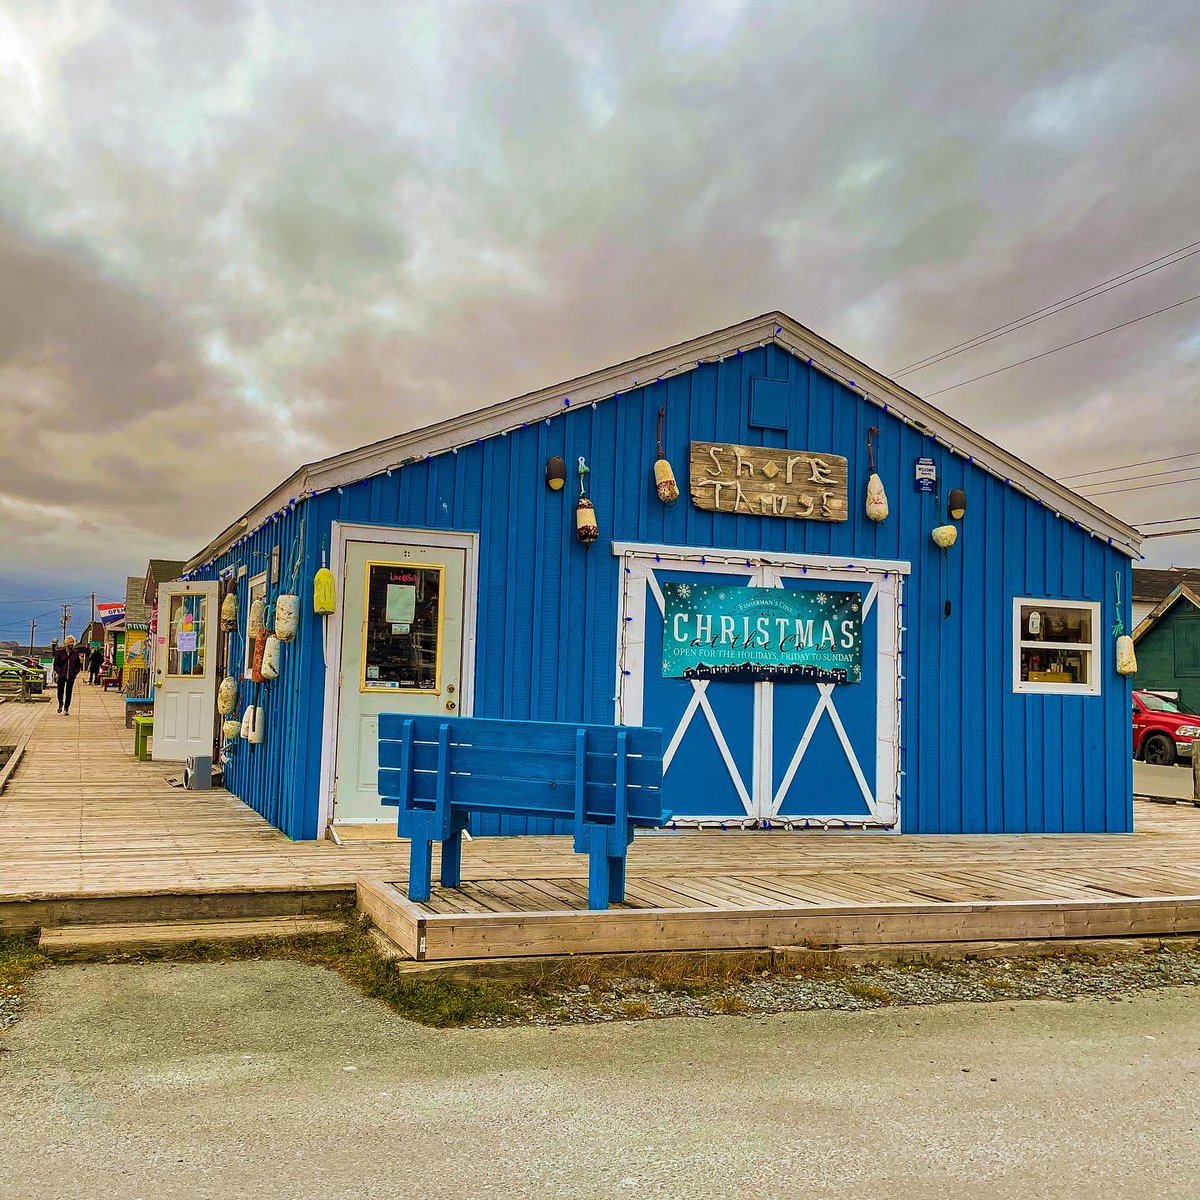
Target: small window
(1056, 647)
(258, 591)
(187, 634)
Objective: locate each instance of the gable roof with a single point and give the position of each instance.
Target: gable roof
(1152, 584)
(1184, 591)
(160, 570)
(771, 328)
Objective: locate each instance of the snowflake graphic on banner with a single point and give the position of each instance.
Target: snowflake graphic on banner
(822, 598)
(684, 591)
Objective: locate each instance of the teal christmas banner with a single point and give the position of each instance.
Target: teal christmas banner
(718, 632)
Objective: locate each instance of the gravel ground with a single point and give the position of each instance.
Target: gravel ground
(861, 987)
(11, 1003)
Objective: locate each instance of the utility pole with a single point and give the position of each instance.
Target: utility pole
(92, 623)
(32, 627)
(66, 619)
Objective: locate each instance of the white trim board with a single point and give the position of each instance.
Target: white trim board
(775, 327)
(342, 533)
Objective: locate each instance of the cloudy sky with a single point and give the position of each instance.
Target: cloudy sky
(240, 234)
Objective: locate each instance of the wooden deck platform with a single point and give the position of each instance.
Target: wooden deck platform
(88, 834)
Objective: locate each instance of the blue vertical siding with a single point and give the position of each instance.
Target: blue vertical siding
(976, 756)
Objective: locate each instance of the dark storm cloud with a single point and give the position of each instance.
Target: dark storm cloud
(236, 236)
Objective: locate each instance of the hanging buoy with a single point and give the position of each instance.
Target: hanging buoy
(877, 505)
(945, 536)
(270, 657)
(324, 589)
(229, 611)
(1126, 658)
(256, 621)
(258, 727)
(247, 722)
(260, 647)
(586, 528)
(230, 729)
(287, 616)
(227, 696)
(664, 477)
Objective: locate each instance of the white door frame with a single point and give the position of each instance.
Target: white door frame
(342, 533)
(211, 590)
(886, 576)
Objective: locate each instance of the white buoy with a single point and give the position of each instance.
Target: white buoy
(287, 616)
(271, 656)
(877, 504)
(1126, 658)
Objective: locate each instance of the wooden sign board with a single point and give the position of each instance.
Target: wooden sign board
(758, 481)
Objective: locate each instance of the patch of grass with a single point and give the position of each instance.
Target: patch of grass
(19, 958)
(729, 1004)
(871, 992)
(998, 983)
(689, 974)
(636, 1010)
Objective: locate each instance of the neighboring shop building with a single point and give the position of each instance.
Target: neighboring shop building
(1168, 646)
(1152, 585)
(810, 664)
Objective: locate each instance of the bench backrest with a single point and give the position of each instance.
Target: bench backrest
(530, 768)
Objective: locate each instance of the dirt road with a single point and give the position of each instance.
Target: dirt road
(267, 1079)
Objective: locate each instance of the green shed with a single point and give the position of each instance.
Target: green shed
(1168, 646)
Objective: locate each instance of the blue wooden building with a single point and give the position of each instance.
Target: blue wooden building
(961, 689)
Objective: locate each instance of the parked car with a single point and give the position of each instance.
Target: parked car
(13, 671)
(1163, 732)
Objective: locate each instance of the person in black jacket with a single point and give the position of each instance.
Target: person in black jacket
(93, 662)
(67, 663)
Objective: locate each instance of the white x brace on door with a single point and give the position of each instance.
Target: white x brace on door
(749, 753)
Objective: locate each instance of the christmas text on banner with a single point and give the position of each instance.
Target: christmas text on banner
(715, 632)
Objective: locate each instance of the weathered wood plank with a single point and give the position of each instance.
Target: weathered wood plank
(762, 481)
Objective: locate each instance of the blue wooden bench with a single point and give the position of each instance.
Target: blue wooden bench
(606, 779)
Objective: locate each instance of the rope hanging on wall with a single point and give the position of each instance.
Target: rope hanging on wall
(1126, 657)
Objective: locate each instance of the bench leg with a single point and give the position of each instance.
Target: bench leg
(451, 874)
(616, 879)
(420, 866)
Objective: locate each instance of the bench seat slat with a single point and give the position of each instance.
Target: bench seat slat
(558, 765)
(521, 735)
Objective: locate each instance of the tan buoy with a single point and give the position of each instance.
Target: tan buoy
(664, 476)
(231, 729)
(1126, 658)
(256, 621)
(945, 536)
(877, 503)
(586, 528)
(229, 611)
(227, 696)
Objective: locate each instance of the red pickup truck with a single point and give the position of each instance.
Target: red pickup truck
(1162, 731)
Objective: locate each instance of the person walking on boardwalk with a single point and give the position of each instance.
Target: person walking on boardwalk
(94, 661)
(67, 663)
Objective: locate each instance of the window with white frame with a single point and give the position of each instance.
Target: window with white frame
(1056, 647)
(257, 591)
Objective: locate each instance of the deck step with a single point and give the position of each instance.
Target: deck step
(83, 941)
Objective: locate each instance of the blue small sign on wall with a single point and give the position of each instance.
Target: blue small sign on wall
(925, 475)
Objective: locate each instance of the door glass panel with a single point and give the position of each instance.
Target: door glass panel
(402, 628)
(187, 633)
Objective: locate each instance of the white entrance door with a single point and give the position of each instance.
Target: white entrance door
(402, 643)
(757, 753)
(185, 670)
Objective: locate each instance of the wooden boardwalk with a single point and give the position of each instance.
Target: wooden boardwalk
(87, 833)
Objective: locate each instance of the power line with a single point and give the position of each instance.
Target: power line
(1143, 486)
(1066, 346)
(1146, 462)
(1084, 487)
(1172, 532)
(1040, 314)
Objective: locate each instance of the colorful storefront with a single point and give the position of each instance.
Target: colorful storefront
(850, 612)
